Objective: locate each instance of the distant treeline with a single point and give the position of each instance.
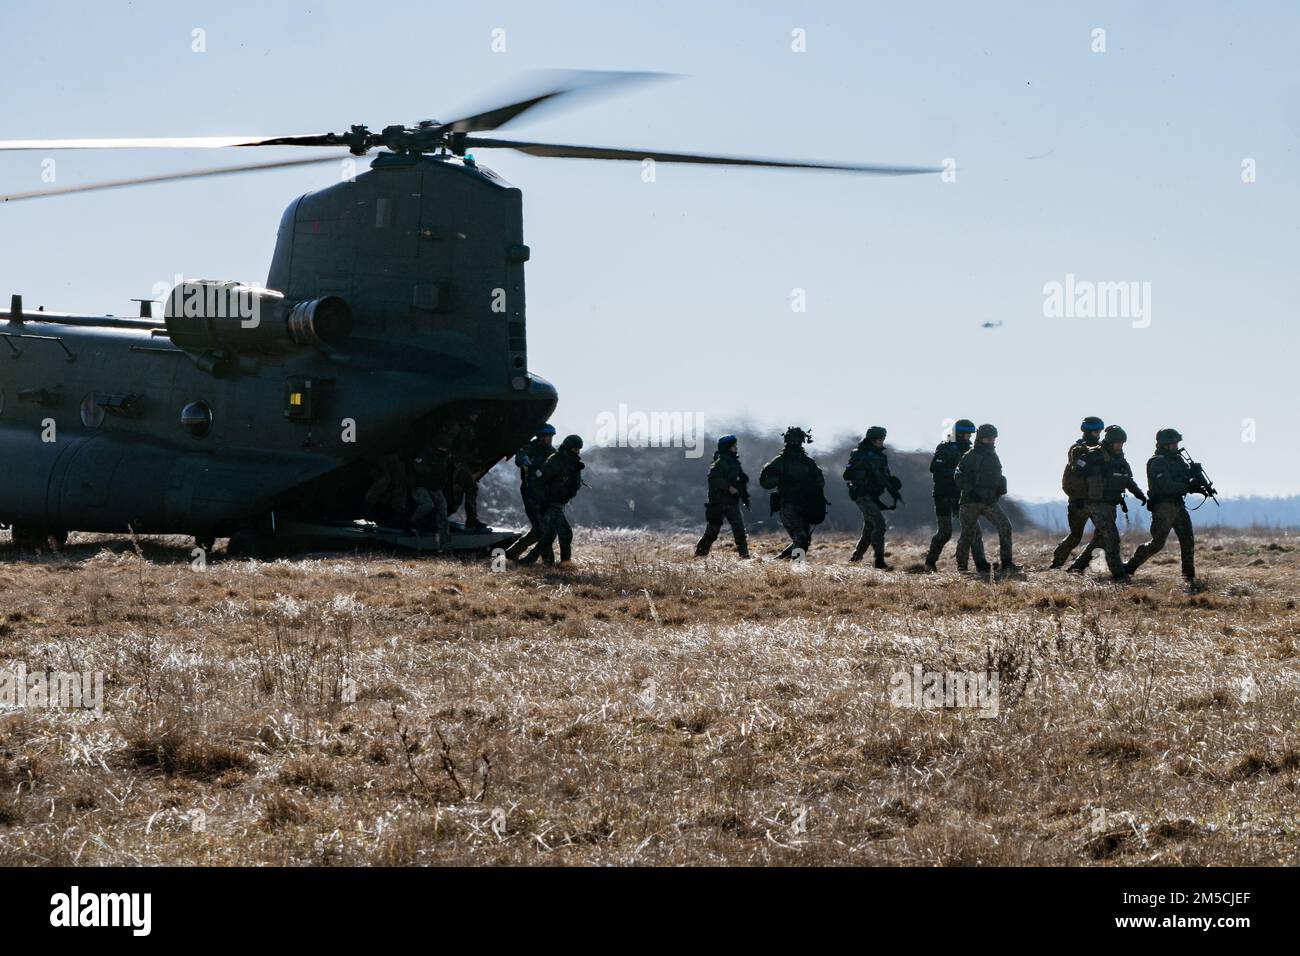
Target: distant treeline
(661, 488)
(1252, 512)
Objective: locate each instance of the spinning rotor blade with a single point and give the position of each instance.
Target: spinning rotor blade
(164, 142)
(166, 178)
(605, 152)
(559, 83)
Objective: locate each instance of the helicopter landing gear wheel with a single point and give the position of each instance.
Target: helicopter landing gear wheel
(205, 541)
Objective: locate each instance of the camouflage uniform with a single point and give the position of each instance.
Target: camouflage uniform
(529, 460)
(1077, 510)
(465, 454)
(561, 478)
(1169, 479)
(946, 502)
(979, 476)
(800, 486)
(386, 496)
(1109, 476)
(724, 474)
(868, 478)
(431, 471)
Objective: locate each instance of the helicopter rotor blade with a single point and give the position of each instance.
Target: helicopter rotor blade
(558, 83)
(659, 156)
(164, 142)
(167, 177)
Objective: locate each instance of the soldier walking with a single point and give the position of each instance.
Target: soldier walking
(561, 479)
(1170, 478)
(1107, 476)
(529, 460)
(431, 476)
(947, 495)
(799, 495)
(979, 476)
(1075, 486)
(728, 490)
(465, 452)
(385, 498)
(868, 477)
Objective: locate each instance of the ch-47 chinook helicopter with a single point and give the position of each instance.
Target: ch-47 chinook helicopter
(394, 304)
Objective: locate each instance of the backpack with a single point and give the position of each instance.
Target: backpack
(856, 472)
(813, 508)
(1074, 481)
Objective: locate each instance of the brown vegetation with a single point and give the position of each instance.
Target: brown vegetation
(646, 707)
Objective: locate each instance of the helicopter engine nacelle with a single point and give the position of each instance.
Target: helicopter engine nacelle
(203, 315)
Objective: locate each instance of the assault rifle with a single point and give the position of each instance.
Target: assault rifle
(1201, 484)
(895, 491)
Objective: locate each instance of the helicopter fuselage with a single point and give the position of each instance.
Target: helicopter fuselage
(170, 427)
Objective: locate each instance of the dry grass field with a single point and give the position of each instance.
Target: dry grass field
(645, 707)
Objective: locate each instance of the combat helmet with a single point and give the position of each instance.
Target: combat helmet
(1168, 435)
(963, 426)
(1092, 424)
(1113, 434)
(543, 430)
(986, 431)
(876, 431)
(726, 441)
(572, 441)
(794, 436)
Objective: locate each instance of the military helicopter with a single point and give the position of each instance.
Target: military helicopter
(394, 304)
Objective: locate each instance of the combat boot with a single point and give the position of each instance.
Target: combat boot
(880, 563)
(856, 555)
(929, 567)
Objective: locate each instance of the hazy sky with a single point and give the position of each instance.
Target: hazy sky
(1116, 166)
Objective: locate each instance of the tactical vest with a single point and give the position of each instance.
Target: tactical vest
(981, 476)
(724, 473)
(1168, 477)
(942, 466)
(1108, 476)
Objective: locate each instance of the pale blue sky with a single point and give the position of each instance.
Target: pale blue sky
(1137, 177)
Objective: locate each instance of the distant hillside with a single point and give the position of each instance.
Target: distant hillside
(660, 488)
(1252, 512)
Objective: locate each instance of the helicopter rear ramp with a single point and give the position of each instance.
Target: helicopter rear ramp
(293, 536)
